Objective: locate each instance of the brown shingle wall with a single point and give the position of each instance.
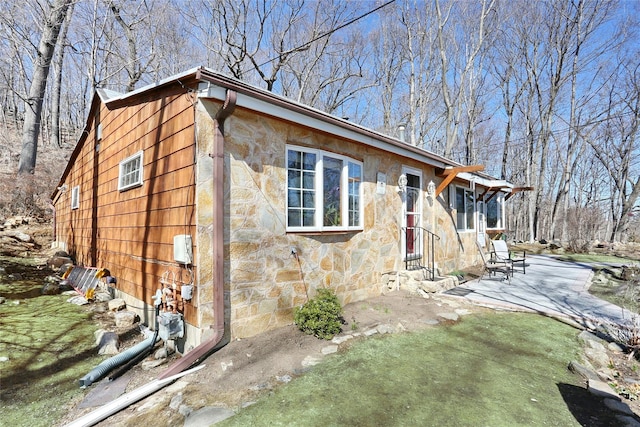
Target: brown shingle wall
(131, 232)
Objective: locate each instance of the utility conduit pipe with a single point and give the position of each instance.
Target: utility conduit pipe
(107, 365)
(147, 351)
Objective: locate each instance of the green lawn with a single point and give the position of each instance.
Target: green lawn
(488, 370)
(49, 344)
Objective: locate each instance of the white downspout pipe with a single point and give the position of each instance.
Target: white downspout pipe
(93, 418)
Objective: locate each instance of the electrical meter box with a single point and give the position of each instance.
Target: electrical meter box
(170, 326)
(182, 249)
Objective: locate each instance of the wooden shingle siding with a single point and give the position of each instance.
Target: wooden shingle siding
(131, 232)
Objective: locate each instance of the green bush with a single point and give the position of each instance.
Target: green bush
(320, 316)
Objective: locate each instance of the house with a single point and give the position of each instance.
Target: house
(245, 202)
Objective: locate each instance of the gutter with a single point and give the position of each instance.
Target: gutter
(260, 100)
(216, 342)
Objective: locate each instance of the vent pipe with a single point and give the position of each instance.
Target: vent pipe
(401, 132)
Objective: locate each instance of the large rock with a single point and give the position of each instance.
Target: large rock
(599, 358)
(602, 389)
(16, 221)
(107, 342)
(585, 371)
(125, 319)
(51, 289)
(18, 235)
(117, 304)
(57, 262)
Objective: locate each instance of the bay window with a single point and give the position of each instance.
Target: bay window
(324, 191)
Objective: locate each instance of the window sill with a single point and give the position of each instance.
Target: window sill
(130, 187)
(323, 232)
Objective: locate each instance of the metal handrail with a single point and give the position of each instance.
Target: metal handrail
(417, 262)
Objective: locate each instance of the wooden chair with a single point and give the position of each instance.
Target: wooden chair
(494, 266)
(501, 253)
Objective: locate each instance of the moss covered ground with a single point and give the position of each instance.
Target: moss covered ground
(48, 345)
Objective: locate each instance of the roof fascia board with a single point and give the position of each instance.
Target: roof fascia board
(95, 104)
(485, 182)
(163, 82)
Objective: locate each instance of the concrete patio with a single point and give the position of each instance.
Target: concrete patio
(550, 287)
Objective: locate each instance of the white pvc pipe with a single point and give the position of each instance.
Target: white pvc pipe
(93, 418)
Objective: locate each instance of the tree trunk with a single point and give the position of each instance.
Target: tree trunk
(33, 107)
(57, 82)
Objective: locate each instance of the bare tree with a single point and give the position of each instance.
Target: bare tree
(53, 19)
(132, 25)
(332, 68)
(58, 63)
(457, 66)
(617, 146)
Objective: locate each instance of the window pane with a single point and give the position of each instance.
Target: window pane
(492, 213)
(332, 171)
(309, 218)
(294, 198)
(309, 201)
(469, 207)
(293, 218)
(355, 177)
(460, 217)
(293, 179)
(308, 180)
(309, 161)
(293, 159)
(300, 176)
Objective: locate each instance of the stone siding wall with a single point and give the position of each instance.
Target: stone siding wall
(264, 281)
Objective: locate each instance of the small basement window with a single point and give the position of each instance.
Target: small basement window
(130, 172)
(75, 197)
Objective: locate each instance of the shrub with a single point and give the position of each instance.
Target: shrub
(320, 316)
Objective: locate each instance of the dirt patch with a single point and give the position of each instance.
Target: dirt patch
(245, 369)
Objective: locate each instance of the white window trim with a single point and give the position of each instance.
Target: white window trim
(319, 193)
(75, 197)
(403, 237)
(475, 219)
(137, 183)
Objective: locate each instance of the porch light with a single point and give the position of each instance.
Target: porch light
(402, 183)
(431, 190)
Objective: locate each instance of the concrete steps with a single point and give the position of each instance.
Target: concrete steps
(416, 281)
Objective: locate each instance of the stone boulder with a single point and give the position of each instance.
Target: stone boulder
(16, 221)
(18, 235)
(630, 272)
(125, 319)
(107, 342)
(51, 289)
(117, 304)
(56, 263)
